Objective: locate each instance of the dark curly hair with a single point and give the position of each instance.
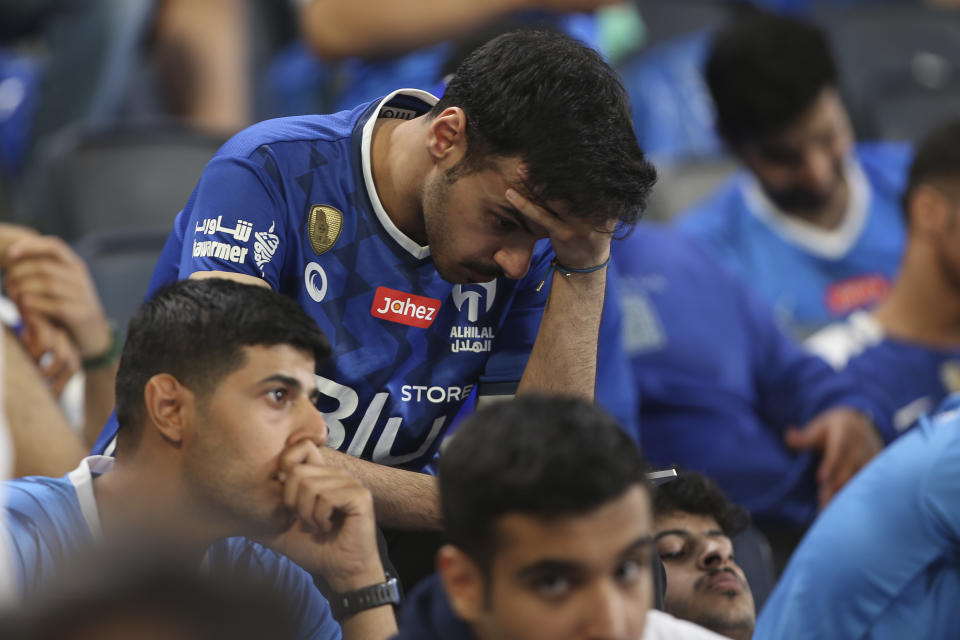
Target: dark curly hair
(695, 493)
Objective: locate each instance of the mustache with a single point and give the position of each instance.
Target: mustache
(698, 585)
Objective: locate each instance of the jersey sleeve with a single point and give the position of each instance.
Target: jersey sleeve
(795, 385)
(240, 558)
(236, 219)
(513, 344)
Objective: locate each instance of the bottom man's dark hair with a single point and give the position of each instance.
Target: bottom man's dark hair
(541, 456)
(195, 330)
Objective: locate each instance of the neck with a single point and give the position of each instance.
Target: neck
(924, 305)
(139, 500)
(398, 166)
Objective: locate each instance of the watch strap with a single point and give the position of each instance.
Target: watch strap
(349, 603)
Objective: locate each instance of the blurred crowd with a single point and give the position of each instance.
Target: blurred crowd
(735, 416)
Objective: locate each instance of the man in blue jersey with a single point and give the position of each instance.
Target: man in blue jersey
(219, 437)
(883, 561)
(413, 231)
(813, 222)
(724, 391)
(907, 352)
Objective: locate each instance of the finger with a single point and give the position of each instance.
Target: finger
(549, 221)
(835, 451)
(47, 247)
(310, 433)
(294, 476)
(304, 451)
(809, 437)
(317, 497)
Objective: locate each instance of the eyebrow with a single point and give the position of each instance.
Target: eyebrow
(550, 565)
(517, 217)
(714, 533)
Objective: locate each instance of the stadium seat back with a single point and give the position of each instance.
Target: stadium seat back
(125, 180)
(121, 264)
(683, 184)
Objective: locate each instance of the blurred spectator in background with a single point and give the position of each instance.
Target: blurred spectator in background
(384, 44)
(907, 352)
(723, 390)
(812, 223)
(207, 364)
(693, 523)
(882, 560)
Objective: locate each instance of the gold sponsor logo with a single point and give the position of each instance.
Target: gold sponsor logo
(323, 227)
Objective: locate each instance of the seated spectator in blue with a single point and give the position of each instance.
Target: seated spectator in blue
(724, 391)
(883, 560)
(694, 523)
(379, 46)
(812, 222)
(907, 352)
(219, 437)
(547, 511)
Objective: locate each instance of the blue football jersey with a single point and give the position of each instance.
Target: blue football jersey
(718, 381)
(292, 201)
(909, 380)
(810, 276)
(48, 520)
(881, 561)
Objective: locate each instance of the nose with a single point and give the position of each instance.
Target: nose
(713, 555)
(310, 425)
(514, 260)
(609, 614)
(817, 170)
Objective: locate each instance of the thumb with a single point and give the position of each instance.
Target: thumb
(804, 439)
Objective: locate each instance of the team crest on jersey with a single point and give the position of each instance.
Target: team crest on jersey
(471, 338)
(323, 227)
(264, 246)
(404, 308)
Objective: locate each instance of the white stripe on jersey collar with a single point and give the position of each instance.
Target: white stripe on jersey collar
(417, 251)
(829, 244)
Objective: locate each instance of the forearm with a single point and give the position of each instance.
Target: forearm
(336, 29)
(564, 356)
(43, 443)
(402, 499)
(98, 400)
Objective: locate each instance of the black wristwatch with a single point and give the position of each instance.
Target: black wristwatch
(344, 605)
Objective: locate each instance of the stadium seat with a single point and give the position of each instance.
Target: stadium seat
(752, 552)
(121, 263)
(681, 185)
(132, 179)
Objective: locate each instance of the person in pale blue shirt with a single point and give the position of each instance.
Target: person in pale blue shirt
(906, 353)
(218, 444)
(883, 560)
(813, 221)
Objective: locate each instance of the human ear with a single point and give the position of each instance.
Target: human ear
(928, 210)
(169, 406)
(463, 583)
(447, 136)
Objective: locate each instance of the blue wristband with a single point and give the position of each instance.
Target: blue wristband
(567, 271)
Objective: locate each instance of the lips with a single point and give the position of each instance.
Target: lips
(723, 581)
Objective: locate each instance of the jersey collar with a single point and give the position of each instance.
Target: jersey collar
(829, 244)
(82, 480)
(417, 251)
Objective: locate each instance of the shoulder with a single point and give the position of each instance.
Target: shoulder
(838, 343)
(886, 165)
(37, 498)
(310, 128)
(720, 209)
